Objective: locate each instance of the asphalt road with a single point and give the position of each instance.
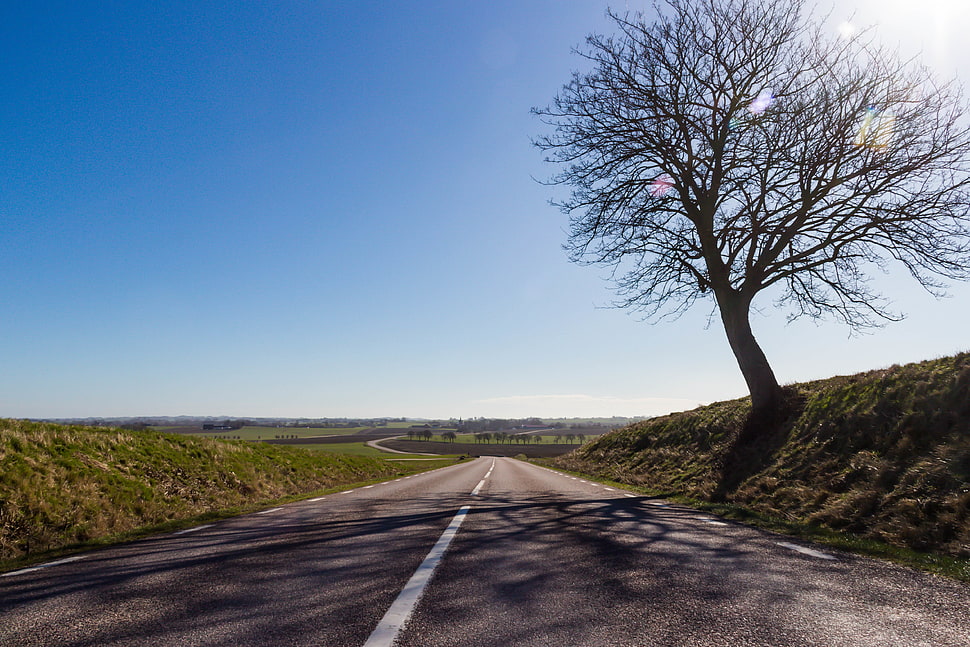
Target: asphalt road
(539, 558)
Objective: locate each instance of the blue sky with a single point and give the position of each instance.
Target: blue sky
(328, 209)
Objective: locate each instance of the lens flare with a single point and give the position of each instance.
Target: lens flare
(876, 130)
(661, 186)
(762, 102)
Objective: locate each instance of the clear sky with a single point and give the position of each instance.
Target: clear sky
(327, 209)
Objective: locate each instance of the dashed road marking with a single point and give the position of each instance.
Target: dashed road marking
(268, 511)
(319, 498)
(482, 482)
(395, 618)
(632, 496)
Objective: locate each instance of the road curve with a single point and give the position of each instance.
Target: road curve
(538, 558)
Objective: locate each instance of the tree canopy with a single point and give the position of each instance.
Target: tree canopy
(730, 147)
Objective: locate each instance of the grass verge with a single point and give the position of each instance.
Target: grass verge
(878, 460)
(946, 565)
(63, 488)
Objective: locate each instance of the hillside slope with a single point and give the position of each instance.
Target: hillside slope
(62, 485)
(883, 454)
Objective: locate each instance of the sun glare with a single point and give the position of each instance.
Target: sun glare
(931, 29)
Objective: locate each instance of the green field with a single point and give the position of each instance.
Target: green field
(362, 449)
(269, 433)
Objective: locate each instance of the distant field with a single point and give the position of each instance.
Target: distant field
(360, 449)
(274, 433)
(532, 450)
(546, 439)
(341, 440)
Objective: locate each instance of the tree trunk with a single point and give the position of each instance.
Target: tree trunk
(765, 392)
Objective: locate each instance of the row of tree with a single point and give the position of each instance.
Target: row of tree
(498, 437)
(507, 438)
(427, 434)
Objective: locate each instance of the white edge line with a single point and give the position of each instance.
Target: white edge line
(395, 618)
(268, 511)
(42, 566)
(319, 498)
(805, 551)
(188, 530)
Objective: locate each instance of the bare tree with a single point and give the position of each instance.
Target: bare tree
(733, 147)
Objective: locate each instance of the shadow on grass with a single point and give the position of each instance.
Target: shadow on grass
(757, 443)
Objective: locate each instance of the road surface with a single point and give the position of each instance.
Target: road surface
(532, 558)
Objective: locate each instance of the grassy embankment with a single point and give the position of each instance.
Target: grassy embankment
(877, 462)
(63, 487)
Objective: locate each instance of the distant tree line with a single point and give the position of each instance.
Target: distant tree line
(495, 424)
(427, 434)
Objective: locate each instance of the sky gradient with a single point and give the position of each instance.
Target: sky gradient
(330, 209)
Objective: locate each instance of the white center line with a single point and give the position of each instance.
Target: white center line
(390, 625)
(319, 498)
(482, 482)
(632, 496)
(268, 511)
